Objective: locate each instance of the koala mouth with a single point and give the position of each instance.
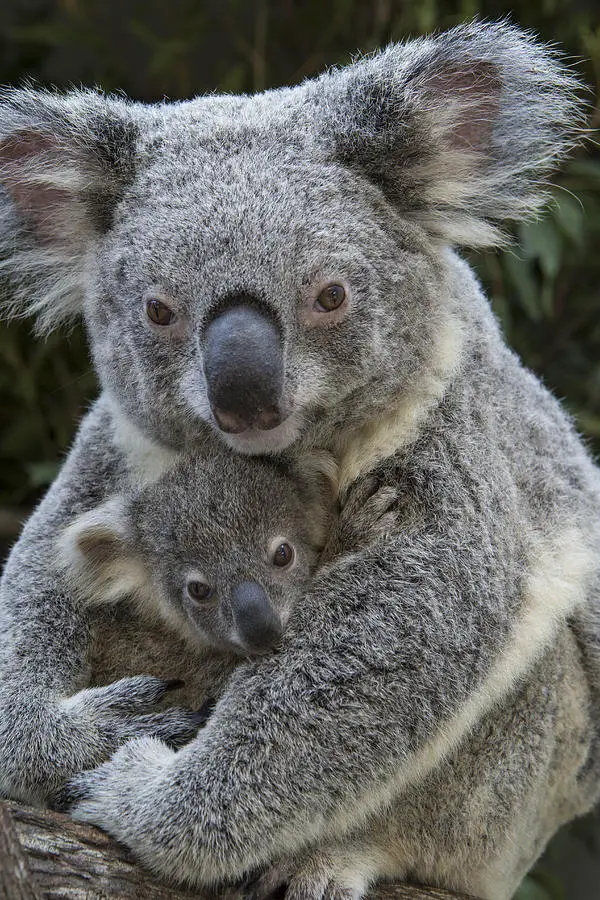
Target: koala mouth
(266, 420)
(255, 441)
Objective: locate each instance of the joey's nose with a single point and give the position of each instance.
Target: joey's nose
(243, 366)
(258, 623)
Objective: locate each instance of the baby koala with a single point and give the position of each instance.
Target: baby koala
(220, 548)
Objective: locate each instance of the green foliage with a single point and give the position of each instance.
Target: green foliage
(540, 887)
(44, 387)
(545, 288)
(546, 292)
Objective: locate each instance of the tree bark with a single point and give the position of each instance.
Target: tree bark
(46, 856)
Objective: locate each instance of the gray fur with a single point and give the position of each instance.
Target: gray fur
(52, 725)
(214, 517)
(449, 672)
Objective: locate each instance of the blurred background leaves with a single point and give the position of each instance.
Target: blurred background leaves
(545, 288)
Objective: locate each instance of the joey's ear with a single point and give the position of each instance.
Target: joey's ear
(96, 553)
(459, 130)
(97, 537)
(64, 163)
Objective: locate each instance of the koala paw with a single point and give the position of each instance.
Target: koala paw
(315, 878)
(107, 795)
(369, 513)
(125, 709)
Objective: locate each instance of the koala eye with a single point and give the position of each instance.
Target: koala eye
(199, 590)
(158, 312)
(283, 555)
(330, 298)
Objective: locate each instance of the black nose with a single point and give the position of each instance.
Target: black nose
(243, 365)
(258, 624)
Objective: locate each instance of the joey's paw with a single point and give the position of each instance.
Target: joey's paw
(369, 513)
(316, 877)
(126, 709)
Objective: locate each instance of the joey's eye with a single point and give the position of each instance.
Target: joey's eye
(330, 298)
(199, 590)
(158, 312)
(283, 555)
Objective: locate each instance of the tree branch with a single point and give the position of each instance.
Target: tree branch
(46, 856)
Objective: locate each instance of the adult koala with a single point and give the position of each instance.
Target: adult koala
(277, 268)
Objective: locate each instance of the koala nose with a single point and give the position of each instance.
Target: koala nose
(258, 624)
(243, 366)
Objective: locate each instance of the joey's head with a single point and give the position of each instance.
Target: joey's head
(262, 265)
(221, 548)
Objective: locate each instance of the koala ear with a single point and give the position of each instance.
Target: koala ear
(97, 536)
(458, 130)
(64, 163)
(97, 555)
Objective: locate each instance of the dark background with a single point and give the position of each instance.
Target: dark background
(545, 289)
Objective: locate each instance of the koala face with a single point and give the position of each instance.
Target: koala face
(220, 550)
(254, 295)
(273, 266)
(229, 549)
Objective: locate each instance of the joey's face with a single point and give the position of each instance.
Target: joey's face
(229, 552)
(247, 616)
(255, 291)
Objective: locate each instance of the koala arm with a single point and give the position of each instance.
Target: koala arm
(393, 656)
(51, 726)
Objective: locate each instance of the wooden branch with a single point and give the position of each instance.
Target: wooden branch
(46, 856)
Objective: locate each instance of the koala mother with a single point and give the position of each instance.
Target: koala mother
(279, 268)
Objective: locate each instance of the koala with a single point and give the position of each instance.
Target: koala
(282, 273)
(219, 549)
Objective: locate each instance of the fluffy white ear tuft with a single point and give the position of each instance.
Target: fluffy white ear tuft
(64, 162)
(459, 130)
(96, 553)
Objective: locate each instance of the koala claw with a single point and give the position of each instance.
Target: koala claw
(175, 726)
(370, 513)
(68, 796)
(133, 694)
(125, 709)
(314, 879)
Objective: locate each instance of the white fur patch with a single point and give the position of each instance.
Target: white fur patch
(256, 442)
(362, 449)
(148, 459)
(94, 553)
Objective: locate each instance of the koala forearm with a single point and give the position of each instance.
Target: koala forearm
(44, 635)
(352, 698)
(42, 629)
